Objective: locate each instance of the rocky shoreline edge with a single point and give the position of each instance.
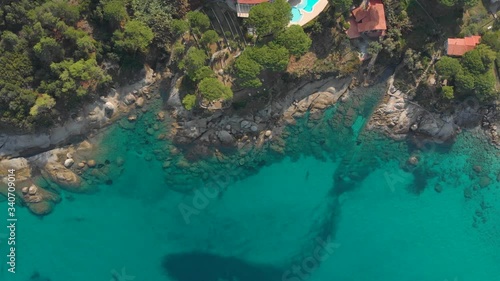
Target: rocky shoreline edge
(61, 168)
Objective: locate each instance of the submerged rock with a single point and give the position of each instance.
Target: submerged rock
(132, 118)
(468, 192)
(484, 182)
(413, 160)
(478, 169)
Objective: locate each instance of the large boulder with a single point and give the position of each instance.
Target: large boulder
(225, 137)
(129, 99)
(69, 162)
(109, 109)
(65, 178)
(139, 102)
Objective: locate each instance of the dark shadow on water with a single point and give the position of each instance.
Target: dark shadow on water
(37, 277)
(419, 182)
(196, 266)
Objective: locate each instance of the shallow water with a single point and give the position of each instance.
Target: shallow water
(336, 206)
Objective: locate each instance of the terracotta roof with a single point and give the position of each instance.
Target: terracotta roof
(371, 18)
(353, 32)
(251, 1)
(459, 46)
(359, 13)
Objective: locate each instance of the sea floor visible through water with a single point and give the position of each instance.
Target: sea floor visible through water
(287, 220)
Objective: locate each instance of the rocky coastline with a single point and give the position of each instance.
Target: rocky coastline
(399, 117)
(46, 164)
(231, 128)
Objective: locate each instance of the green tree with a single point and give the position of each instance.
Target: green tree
(269, 17)
(470, 3)
(283, 14)
(295, 40)
(48, 50)
(60, 10)
(76, 79)
(16, 13)
(449, 3)
(464, 83)
(9, 40)
(247, 71)
(179, 27)
(487, 55)
(485, 86)
(212, 89)
(157, 14)
(15, 102)
(198, 21)
(17, 69)
(177, 50)
(492, 39)
(136, 36)
(448, 92)
(448, 67)
(209, 37)
(189, 101)
(272, 56)
(374, 48)
(473, 62)
(193, 60)
(115, 12)
(203, 72)
(261, 17)
(342, 6)
(42, 104)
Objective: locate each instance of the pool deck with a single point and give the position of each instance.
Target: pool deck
(307, 17)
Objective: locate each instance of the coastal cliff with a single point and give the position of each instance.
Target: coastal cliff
(74, 169)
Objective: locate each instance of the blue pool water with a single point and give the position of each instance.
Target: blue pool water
(307, 5)
(303, 6)
(296, 15)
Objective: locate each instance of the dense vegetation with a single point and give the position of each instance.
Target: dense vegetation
(271, 53)
(56, 55)
(473, 74)
(194, 62)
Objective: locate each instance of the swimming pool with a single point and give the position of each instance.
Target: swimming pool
(296, 15)
(307, 5)
(303, 6)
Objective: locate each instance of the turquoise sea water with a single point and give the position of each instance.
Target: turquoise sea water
(340, 204)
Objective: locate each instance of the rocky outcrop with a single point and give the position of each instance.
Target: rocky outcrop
(397, 116)
(229, 128)
(63, 177)
(313, 103)
(38, 200)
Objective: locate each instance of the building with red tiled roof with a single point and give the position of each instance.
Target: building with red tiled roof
(243, 6)
(368, 19)
(459, 46)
